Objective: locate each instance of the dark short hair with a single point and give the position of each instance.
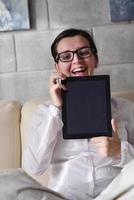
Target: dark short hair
(70, 33)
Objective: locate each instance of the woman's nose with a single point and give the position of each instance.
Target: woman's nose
(76, 58)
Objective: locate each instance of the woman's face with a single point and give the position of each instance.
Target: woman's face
(78, 66)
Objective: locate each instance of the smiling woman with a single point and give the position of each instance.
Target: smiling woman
(80, 168)
(13, 15)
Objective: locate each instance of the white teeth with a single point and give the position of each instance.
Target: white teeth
(78, 69)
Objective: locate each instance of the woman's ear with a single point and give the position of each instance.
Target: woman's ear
(97, 61)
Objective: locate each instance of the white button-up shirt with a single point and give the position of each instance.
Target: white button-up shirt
(77, 170)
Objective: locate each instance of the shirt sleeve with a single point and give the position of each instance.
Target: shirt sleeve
(44, 128)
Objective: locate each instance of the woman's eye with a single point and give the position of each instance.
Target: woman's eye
(82, 53)
(65, 56)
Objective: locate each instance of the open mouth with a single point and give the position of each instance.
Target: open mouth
(79, 70)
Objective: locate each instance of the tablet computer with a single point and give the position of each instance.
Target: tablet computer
(86, 110)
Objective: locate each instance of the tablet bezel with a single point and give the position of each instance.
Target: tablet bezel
(64, 94)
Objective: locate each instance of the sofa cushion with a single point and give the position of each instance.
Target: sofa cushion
(9, 134)
(26, 114)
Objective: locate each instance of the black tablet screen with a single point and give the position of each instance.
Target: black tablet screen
(86, 108)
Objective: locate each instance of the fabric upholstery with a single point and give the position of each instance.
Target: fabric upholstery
(15, 184)
(26, 114)
(10, 134)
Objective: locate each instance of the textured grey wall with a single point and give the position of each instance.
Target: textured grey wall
(25, 60)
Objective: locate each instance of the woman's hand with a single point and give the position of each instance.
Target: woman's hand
(55, 87)
(108, 146)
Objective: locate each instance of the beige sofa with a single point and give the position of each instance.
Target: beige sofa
(14, 120)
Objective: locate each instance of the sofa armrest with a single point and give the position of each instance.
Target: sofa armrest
(126, 95)
(10, 147)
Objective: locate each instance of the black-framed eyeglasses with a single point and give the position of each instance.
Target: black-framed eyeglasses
(68, 56)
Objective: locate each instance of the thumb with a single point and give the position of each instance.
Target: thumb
(114, 125)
